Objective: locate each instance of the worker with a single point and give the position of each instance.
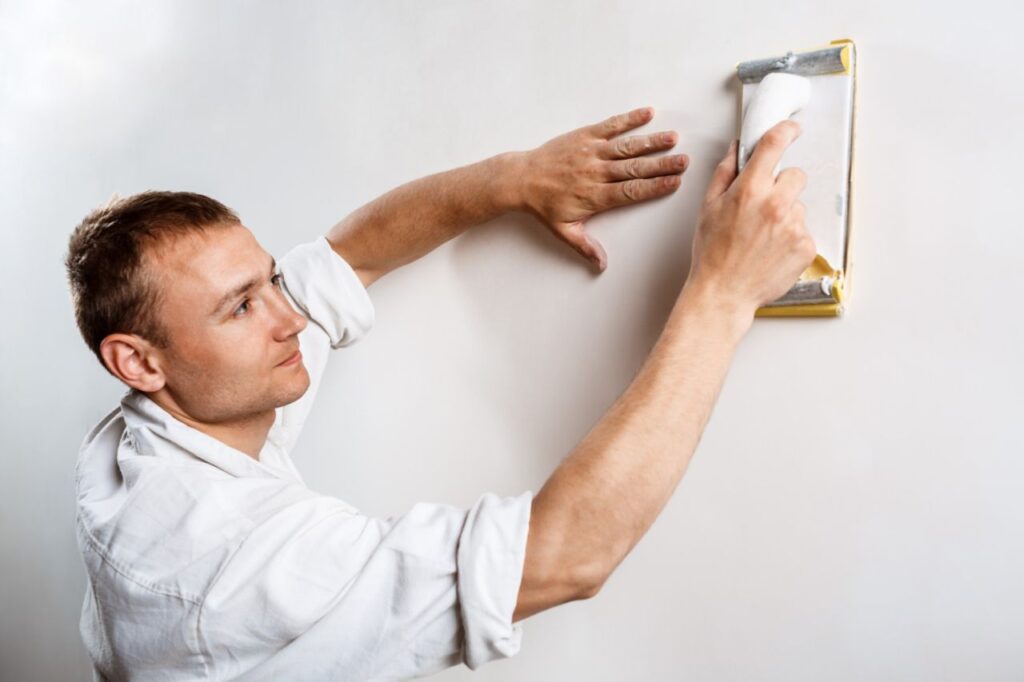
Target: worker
(209, 557)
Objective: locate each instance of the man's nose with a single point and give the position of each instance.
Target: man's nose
(288, 322)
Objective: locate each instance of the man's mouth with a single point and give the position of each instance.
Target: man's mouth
(291, 359)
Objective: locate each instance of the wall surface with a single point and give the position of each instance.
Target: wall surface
(855, 510)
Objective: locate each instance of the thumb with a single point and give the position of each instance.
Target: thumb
(723, 176)
(575, 236)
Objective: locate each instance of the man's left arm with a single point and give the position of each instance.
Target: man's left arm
(563, 183)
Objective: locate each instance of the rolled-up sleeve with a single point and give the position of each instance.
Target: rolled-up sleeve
(328, 292)
(492, 548)
(322, 592)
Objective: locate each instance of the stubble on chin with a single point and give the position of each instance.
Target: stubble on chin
(294, 391)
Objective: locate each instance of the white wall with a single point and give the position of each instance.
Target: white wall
(855, 510)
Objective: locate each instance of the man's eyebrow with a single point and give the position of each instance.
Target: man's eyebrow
(242, 288)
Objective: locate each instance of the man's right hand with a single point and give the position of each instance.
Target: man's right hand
(751, 243)
(750, 247)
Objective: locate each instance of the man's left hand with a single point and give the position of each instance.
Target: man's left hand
(584, 172)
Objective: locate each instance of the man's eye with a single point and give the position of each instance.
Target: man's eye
(276, 279)
(242, 309)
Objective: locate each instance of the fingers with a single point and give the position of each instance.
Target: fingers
(806, 247)
(769, 150)
(797, 214)
(725, 173)
(575, 236)
(647, 167)
(796, 218)
(635, 191)
(637, 145)
(616, 125)
(790, 183)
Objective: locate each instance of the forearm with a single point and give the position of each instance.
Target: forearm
(417, 217)
(605, 495)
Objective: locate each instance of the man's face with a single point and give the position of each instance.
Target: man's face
(234, 348)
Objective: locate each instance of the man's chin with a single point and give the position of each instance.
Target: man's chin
(296, 390)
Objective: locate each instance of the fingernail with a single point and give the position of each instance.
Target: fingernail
(668, 138)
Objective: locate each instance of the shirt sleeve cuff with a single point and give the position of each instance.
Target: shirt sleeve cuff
(328, 291)
(492, 549)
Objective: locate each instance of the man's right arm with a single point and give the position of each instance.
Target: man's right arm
(751, 245)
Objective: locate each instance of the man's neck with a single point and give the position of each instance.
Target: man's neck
(247, 434)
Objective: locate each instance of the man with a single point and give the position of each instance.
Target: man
(208, 557)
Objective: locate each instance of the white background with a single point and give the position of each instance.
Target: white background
(855, 509)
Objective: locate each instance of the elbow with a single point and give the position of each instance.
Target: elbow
(589, 592)
(541, 591)
(590, 581)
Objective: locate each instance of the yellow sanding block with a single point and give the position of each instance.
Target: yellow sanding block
(816, 88)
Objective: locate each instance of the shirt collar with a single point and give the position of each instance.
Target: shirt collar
(157, 433)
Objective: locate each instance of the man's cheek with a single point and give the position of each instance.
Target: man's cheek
(248, 356)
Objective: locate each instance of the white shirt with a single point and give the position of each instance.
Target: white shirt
(205, 563)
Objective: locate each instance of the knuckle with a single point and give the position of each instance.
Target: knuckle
(633, 168)
(631, 190)
(744, 192)
(775, 209)
(774, 137)
(620, 147)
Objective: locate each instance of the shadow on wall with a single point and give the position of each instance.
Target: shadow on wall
(586, 336)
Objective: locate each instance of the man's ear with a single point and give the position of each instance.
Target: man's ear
(134, 361)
